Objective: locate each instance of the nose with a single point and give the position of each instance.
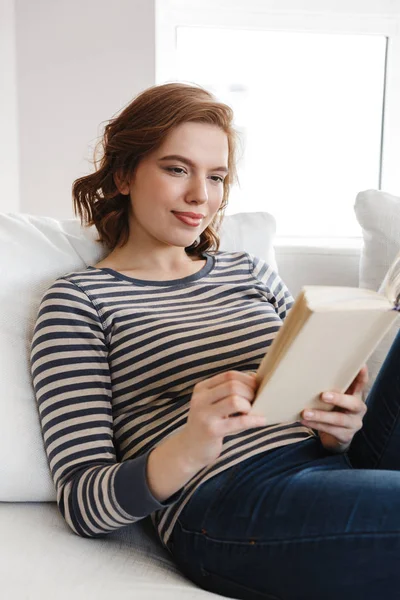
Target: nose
(198, 191)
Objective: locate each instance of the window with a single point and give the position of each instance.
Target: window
(309, 102)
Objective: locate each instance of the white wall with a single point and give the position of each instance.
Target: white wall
(9, 175)
(78, 64)
(66, 66)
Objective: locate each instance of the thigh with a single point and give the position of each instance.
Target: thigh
(305, 526)
(377, 444)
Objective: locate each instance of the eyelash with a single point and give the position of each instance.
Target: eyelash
(171, 169)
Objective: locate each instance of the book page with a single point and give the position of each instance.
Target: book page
(343, 298)
(326, 355)
(392, 282)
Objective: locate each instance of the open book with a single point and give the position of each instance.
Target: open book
(326, 338)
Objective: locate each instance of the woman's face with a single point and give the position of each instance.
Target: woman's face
(184, 175)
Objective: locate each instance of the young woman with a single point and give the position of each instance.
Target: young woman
(143, 367)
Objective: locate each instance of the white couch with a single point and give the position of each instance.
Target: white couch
(40, 557)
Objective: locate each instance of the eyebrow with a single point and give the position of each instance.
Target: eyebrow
(190, 163)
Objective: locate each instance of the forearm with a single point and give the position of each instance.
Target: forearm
(169, 467)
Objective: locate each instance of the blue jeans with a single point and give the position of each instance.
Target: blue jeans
(301, 523)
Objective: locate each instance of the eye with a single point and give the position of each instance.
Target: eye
(181, 171)
(174, 169)
(217, 178)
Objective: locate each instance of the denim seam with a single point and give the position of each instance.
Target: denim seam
(326, 537)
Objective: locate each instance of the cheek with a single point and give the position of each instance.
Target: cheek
(217, 197)
(158, 190)
(215, 202)
(167, 187)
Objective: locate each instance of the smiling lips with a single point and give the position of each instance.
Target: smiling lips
(192, 219)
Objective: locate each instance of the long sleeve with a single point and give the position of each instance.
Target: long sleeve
(272, 284)
(72, 384)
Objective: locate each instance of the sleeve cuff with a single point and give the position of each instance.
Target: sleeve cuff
(132, 491)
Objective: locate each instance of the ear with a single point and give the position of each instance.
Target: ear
(121, 183)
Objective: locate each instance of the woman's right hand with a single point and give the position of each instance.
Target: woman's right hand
(213, 414)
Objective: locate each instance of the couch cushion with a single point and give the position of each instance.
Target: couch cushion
(41, 558)
(34, 251)
(378, 213)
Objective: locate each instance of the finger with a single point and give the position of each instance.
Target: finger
(342, 435)
(232, 388)
(333, 418)
(227, 390)
(363, 378)
(359, 382)
(232, 406)
(364, 372)
(240, 423)
(248, 379)
(348, 402)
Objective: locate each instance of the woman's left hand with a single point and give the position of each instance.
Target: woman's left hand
(336, 428)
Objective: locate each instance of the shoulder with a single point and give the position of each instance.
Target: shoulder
(257, 267)
(67, 282)
(238, 256)
(66, 308)
(78, 282)
(67, 294)
(254, 263)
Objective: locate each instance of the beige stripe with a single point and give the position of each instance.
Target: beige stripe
(90, 527)
(72, 395)
(104, 524)
(76, 298)
(64, 493)
(66, 468)
(94, 346)
(79, 436)
(89, 317)
(259, 267)
(65, 353)
(75, 328)
(54, 385)
(75, 368)
(108, 521)
(87, 276)
(64, 454)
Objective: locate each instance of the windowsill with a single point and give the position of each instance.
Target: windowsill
(319, 245)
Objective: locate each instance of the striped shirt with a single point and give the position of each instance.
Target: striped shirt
(114, 361)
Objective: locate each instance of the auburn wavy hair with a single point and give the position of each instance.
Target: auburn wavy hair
(139, 129)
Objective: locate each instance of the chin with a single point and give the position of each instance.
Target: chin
(183, 244)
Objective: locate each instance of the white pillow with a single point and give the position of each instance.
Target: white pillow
(250, 230)
(34, 251)
(377, 358)
(378, 213)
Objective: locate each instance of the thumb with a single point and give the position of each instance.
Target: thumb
(360, 381)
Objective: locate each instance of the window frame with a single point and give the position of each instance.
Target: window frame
(373, 17)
